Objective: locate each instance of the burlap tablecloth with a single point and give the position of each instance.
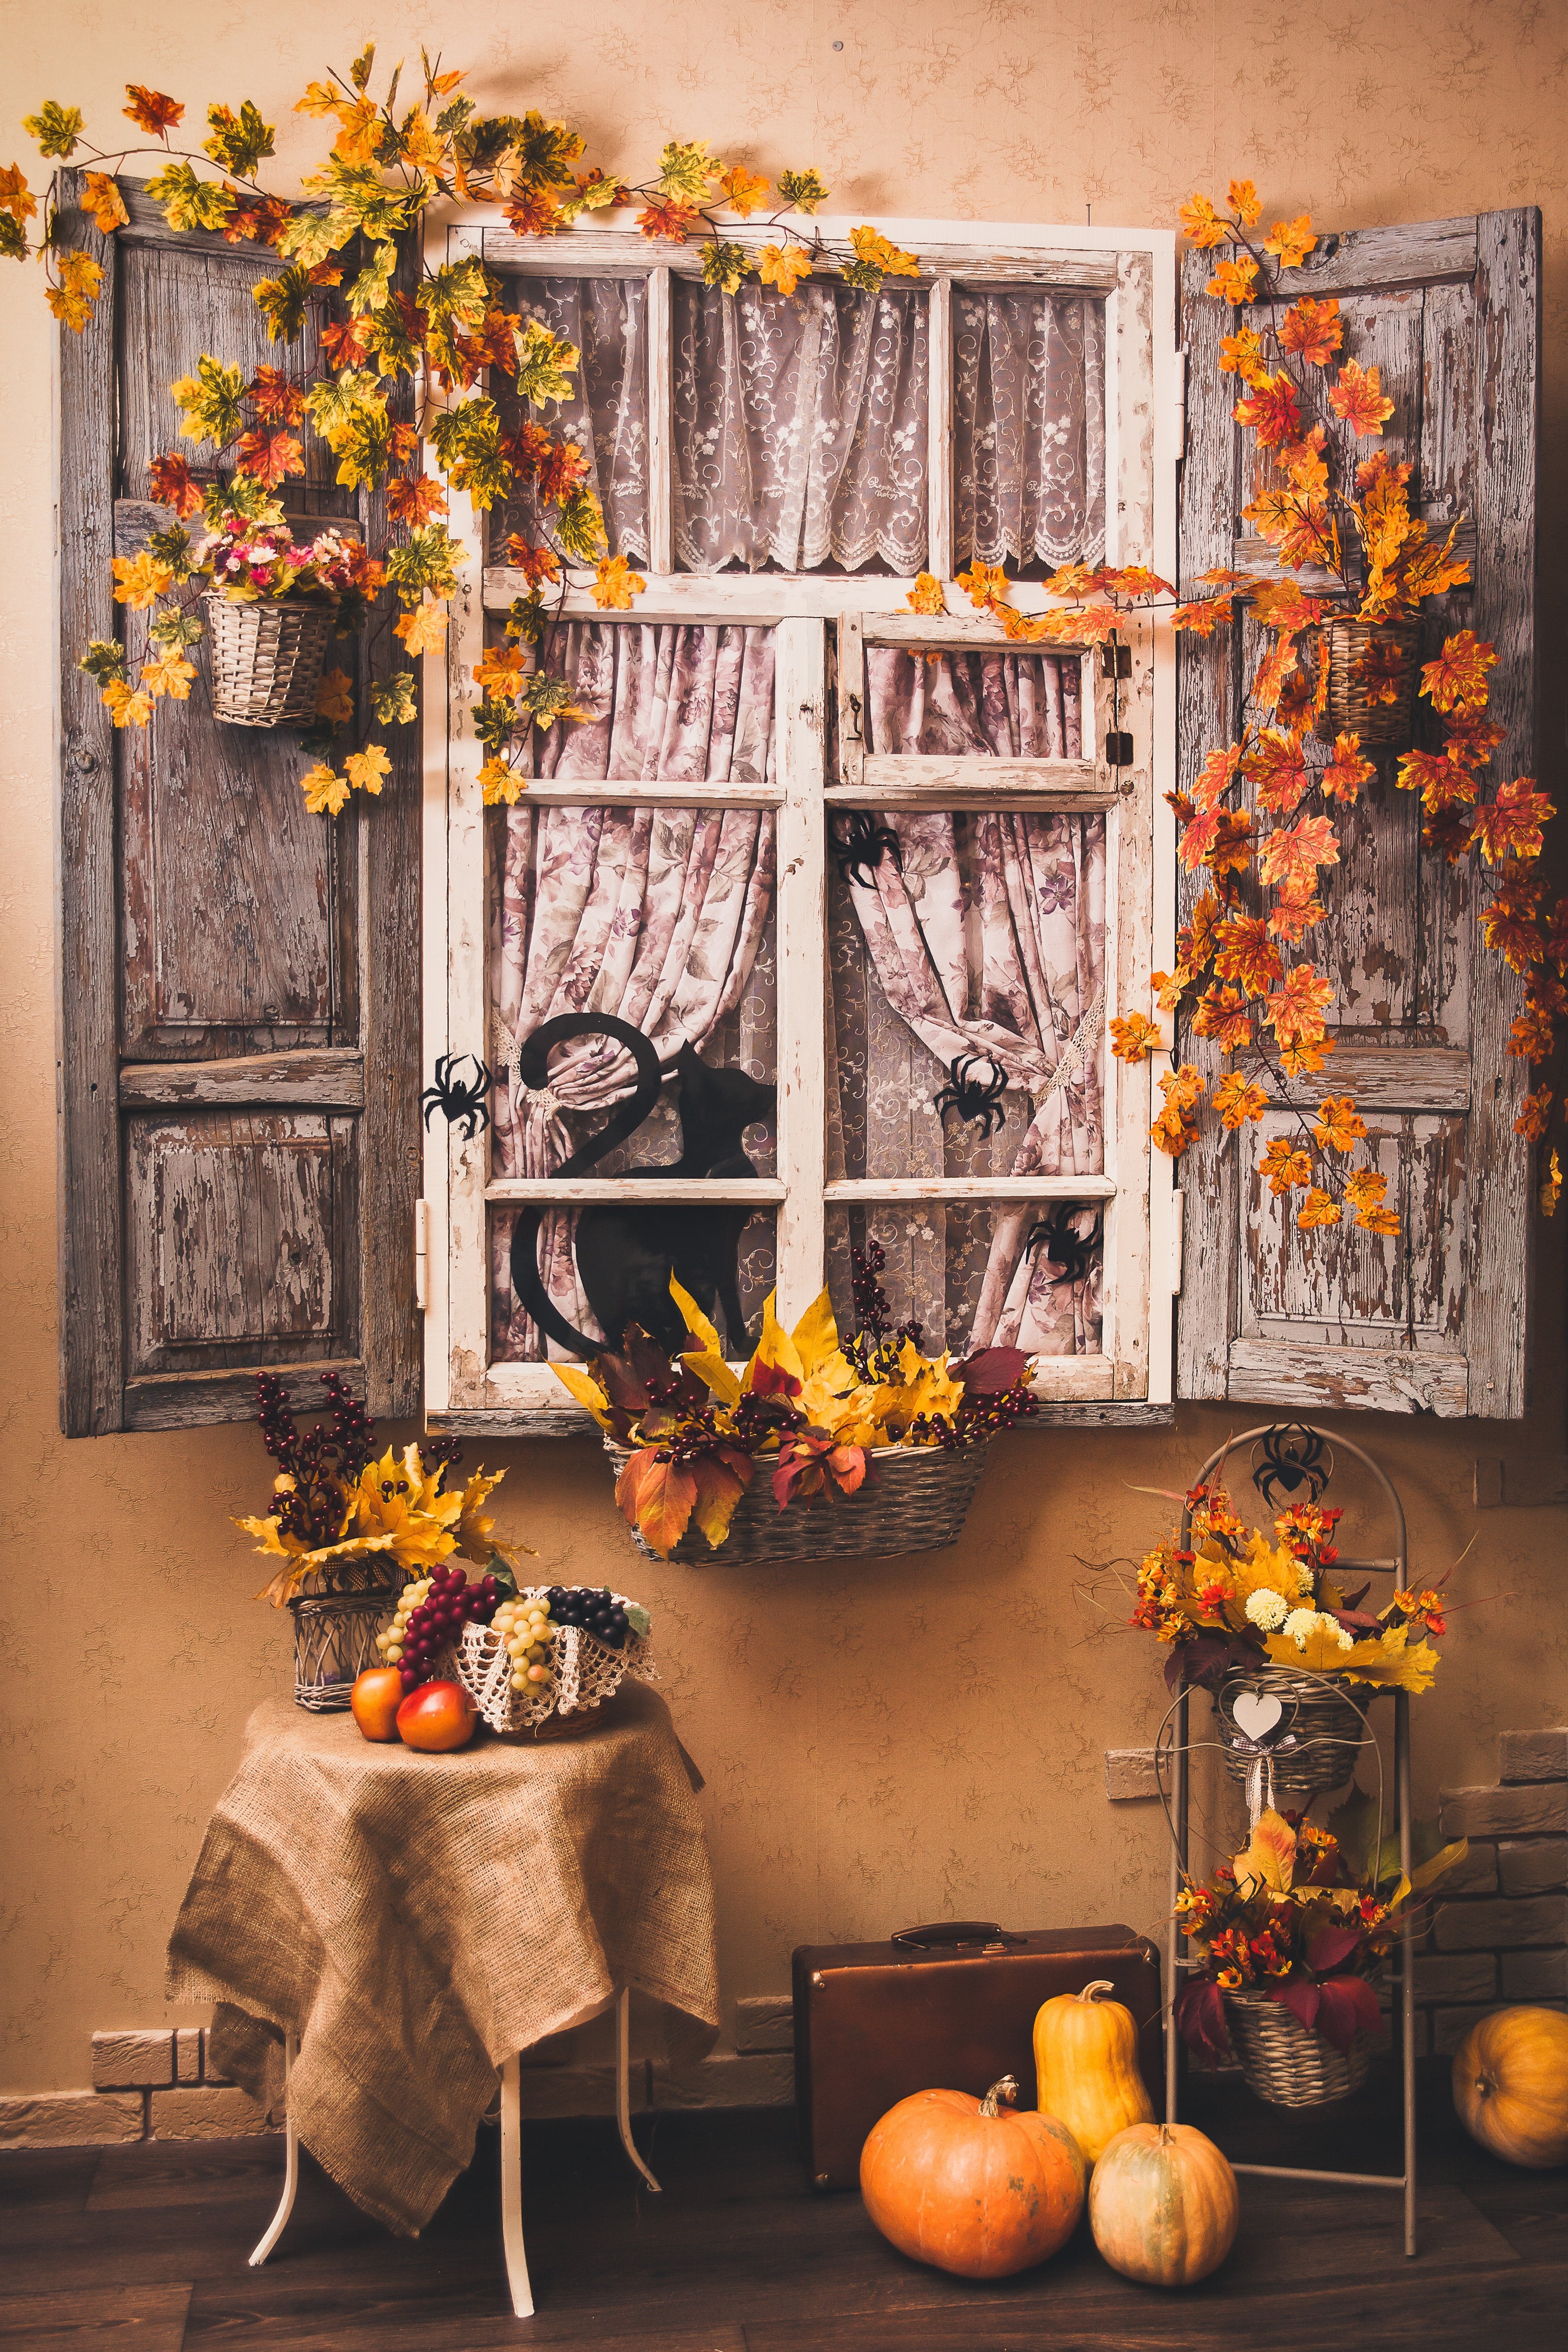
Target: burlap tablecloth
(414, 1919)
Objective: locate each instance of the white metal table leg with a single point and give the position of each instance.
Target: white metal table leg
(291, 2159)
(511, 2189)
(624, 2082)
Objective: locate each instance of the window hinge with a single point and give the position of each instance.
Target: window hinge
(1179, 406)
(1178, 1224)
(422, 1255)
(1118, 749)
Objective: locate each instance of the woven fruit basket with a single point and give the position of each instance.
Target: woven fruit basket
(1325, 1728)
(1284, 2062)
(335, 1628)
(266, 658)
(585, 1672)
(916, 1498)
(1350, 703)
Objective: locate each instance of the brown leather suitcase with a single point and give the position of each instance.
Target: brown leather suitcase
(949, 2007)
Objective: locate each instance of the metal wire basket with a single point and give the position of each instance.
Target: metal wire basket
(1326, 1729)
(1350, 700)
(268, 659)
(334, 1641)
(916, 1498)
(1284, 2062)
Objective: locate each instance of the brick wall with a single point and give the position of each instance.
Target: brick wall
(1500, 1929)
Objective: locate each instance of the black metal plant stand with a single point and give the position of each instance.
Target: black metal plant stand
(1293, 1453)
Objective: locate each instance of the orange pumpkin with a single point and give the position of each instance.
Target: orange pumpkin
(1162, 2205)
(1510, 2085)
(1086, 2059)
(968, 2187)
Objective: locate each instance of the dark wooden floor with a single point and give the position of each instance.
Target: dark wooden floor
(146, 2248)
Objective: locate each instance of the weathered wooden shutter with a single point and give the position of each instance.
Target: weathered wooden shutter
(238, 1018)
(1434, 1320)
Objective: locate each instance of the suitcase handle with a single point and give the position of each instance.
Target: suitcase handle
(957, 1935)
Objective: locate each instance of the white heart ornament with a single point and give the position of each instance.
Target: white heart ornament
(1255, 1714)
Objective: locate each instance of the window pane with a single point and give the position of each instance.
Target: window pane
(800, 427)
(668, 703)
(610, 1265)
(979, 1273)
(974, 963)
(606, 319)
(1028, 409)
(971, 705)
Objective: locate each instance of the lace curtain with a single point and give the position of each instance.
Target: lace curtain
(605, 319)
(961, 706)
(660, 915)
(800, 427)
(1028, 404)
(991, 941)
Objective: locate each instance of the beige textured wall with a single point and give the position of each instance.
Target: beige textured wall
(898, 1741)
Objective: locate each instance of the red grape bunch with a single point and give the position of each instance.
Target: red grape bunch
(431, 1613)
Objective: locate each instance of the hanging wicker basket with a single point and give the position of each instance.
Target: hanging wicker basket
(266, 659)
(1284, 2062)
(916, 1498)
(1323, 1728)
(1349, 706)
(334, 1637)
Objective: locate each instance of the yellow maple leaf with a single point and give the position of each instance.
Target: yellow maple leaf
(927, 595)
(139, 580)
(1245, 202)
(1550, 1188)
(324, 792)
(1317, 1209)
(367, 770)
(1133, 1036)
(783, 266)
(616, 585)
(1233, 281)
(16, 197)
(1237, 1100)
(502, 670)
(874, 251)
(1339, 1124)
(1292, 240)
(335, 697)
(1202, 223)
(169, 673)
(125, 704)
(985, 585)
(502, 782)
(102, 199)
(424, 630)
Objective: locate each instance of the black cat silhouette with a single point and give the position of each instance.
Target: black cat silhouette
(625, 1255)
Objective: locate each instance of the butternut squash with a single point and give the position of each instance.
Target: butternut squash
(1086, 2061)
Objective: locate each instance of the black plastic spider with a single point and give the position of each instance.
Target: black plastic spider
(1072, 1250)
(460, 1099)
(973, 1098)
(861, 844)
(1293, 1456)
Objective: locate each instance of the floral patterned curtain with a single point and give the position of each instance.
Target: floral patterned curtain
(991, 939)
(800, 426)
(959, 706)
(604, 320)
(654, 912)
(1029, 403)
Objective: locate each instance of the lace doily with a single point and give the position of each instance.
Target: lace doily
(588, 1671)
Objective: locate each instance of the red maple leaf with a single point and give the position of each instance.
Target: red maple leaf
(271, 454)
(169, 480)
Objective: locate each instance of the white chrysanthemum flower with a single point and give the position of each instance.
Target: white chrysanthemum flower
(1266, 1607)
(1347, 1639)
(1304, 1579)
(1298, 1624)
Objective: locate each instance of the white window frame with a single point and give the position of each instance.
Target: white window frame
(1135, 270)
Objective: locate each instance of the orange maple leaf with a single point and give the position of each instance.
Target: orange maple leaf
(1357, 396)
(502, 670)
(1511, 825)
(1472, 740)
(269, 454)
(667, 219)
(1223, 1013)
(927, 595)
(1202, 223)
(1233, 281)
(1277, 771)
(1295, 1011)
(1203, 617)
(1293, 915)
(1242, 354)
(415, 499)
(424, 630)
(1280, 605)
(1535, 1115)
(1316, 1210)
(1312, 331)
(1292, 854)
(1231, 851)
(1133, 1036)
(1245, 202)
(1217, 775)
(1170, 987)
(169, 484)
(1238, 1101)
(744, 192)
(1134, 580)
(1293, 241)
(1305, 1058)
(102, 199)
(616, 585)
(1272, 672)
(1380, 669)
(1346, 772)
(1286, 1165)
(985, 585)
(1509, 926)
(539, 565)
(275, 400)
(1339, 1124)
(151, 112)
(783, 266)
(1271, 410)
(1246, 954)
(1458, 679)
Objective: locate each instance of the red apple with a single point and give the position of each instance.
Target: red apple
(436, 1716)
(375, 1698)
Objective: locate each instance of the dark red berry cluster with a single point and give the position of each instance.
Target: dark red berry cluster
(451, 1604)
